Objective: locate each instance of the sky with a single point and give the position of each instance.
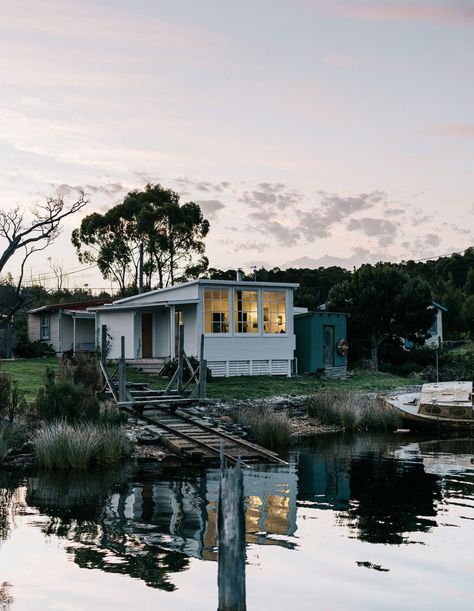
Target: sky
(311, 132)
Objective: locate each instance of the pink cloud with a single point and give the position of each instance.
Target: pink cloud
(457, 130)
(460, 12)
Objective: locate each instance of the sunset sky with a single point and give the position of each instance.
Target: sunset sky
(310, 131)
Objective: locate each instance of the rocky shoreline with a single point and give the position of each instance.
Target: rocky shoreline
(215, 414)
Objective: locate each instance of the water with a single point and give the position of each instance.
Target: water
(352, 523)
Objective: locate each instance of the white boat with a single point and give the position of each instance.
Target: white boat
(442, 405)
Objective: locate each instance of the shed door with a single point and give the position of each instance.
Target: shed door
(147, 335)
(328, 347)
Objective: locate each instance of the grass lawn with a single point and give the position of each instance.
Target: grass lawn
(29, 374)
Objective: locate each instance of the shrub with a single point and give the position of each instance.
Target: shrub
(110, 414)
(270, 429)
(12, 400)
(462, 362)
(81, 369)
(11, 436)
(60, 445)
(67, 400)
(171, 366)
(31, 350)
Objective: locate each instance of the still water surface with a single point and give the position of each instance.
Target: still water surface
(352, 523)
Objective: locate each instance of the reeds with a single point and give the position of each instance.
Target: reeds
(268, 428)
(352, 411)
(59, 445)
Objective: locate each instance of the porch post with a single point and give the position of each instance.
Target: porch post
(74, 334)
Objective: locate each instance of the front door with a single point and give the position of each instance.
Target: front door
(328, 346)
(147, 335)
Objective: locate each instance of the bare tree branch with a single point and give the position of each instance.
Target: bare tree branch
(44, 226)
(31, 237)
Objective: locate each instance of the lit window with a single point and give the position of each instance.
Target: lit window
(245, 311)
(216, 311)
(274, 312)
(44, 326)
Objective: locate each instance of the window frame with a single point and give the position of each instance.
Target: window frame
(236, 322)
(229, 313)
(285, 301)
(45, 323)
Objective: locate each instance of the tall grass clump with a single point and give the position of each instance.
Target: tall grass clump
(59, 445)
(268, 428)
(352, 411)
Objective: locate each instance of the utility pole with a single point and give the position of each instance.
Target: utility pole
(140, 270)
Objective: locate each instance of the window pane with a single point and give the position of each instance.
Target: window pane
(245, 311)
(274, 311)
(216, 311)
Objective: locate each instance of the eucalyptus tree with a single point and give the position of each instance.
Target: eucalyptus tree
(153, 220)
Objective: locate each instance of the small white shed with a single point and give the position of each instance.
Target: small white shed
(247, 326)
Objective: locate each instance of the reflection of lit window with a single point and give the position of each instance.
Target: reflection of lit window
(246, 311)
(274, 312)
(216, 311)
(44, 328)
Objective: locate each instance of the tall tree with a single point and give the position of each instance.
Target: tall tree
(171, 234)
(384, 302)
(25, 235)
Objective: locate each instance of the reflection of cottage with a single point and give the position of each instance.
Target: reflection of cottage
(180, 514)
(321, 344)
(247, 326)
(65, 326)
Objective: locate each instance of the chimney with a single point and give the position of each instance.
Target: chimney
(239, 276)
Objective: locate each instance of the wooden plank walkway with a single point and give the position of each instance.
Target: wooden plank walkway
(190, 437)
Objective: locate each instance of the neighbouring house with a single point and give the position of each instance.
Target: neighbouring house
(247, 326)
(321, 343)
(65, 326)
(436, 331)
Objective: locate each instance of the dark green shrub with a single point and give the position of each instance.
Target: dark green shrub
(11, 435)
(12, 400)
(5, 393)
(81, 369)
(63, 399)
(461, 362)
(171, 366)
(31, 350)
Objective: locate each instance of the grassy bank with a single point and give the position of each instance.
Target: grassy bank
(29, 373)
(30, 376)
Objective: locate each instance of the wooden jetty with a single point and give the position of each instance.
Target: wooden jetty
(183, 435)
(192, 438)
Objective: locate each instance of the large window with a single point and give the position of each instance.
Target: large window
(274, 312)
(245, 311)
(216, 311)
(44, 326)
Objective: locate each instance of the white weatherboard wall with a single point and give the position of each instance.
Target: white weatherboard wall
(118, 324)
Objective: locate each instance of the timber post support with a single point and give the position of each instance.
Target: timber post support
(231, 538)
(121, 372)
(103, 344)
(180, 360)
(202, 370)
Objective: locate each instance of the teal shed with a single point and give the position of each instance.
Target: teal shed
(321, 343)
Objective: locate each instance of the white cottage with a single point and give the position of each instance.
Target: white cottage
(64, 326)
(247, 326)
